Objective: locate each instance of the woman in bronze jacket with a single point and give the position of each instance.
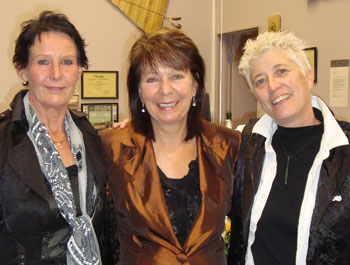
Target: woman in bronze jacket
(170, 172)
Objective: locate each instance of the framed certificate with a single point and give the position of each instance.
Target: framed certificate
(311, 54)
(74, 100)
(99, 85)
(101, 115)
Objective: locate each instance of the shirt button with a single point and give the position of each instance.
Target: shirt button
(182, 258)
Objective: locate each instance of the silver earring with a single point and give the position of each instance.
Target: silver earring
(194, 103)
(143, 108)
(25, 83)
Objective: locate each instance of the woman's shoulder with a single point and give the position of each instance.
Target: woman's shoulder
(117, 135)
(221, 138)
(220, 131)
(5, 118)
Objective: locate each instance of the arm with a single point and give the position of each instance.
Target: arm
(6, 239)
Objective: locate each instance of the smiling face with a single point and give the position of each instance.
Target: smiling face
(283, 91)
(167, 94)
(52, 71)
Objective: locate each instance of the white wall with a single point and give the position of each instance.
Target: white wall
(322, 23)
(107, 31)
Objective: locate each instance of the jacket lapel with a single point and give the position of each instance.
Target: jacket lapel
(255, 155)
(140, 165)
(94, 160)
(212, 151)
(27, 167)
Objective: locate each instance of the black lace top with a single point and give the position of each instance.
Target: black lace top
(183, 200)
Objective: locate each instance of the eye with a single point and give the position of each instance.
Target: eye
(177, 76)
(67, 62)
(151, 79)
(281, 71)
(260, 82)
(43, 62)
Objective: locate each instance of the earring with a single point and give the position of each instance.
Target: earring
(194, 103)
(143, 108)
(25, 83)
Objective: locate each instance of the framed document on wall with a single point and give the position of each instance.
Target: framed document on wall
(101, 115)
(311, 54)
(99, 85)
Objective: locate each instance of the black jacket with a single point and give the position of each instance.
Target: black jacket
(329, 240)
(24, 195)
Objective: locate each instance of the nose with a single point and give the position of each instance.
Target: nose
(56, 71)
(166, 87)
(273, 83)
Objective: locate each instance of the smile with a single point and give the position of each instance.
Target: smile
(168, 105)
(281, 98)
(54, 88)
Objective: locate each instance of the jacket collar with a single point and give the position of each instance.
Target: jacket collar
(213, 143)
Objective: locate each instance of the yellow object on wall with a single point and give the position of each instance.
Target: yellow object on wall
(146, 14)
(274, 23)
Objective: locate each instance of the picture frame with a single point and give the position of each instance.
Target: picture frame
(99, 85)
(74, 100)
(101, 115)
(311, 54)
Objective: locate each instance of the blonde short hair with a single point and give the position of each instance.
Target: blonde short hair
(267, 41)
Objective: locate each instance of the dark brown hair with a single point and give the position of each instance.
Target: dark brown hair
(170, 48)
(47, 21)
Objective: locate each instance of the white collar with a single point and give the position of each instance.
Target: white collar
(333, 135)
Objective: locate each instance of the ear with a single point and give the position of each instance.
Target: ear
(140, 94)
(310, 78)
(22, 73)
(80, 71)
(194, 87)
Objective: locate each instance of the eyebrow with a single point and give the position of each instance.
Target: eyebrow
(273, 68)
(150, 72)
(279, 65)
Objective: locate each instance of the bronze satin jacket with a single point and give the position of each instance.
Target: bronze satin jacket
(144, 228)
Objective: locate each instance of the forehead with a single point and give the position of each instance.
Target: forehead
(269, 60)
(53, 41)
(159, 67)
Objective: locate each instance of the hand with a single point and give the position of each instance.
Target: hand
(121, 125)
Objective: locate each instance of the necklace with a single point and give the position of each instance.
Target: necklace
(59, 143)
(291, 156)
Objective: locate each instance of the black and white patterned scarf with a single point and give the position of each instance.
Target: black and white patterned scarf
(82, 246)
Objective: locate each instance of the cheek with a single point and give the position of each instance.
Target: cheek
(35, 78)
(257, 94)
(72, 76)
(147, 92)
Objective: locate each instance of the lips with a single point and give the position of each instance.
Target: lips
(54, 87)
(281, 98)
(167, 105)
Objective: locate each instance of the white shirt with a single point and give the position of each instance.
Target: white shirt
(332, 137)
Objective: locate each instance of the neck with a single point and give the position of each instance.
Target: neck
(170, 135)
(53, 118)
(307, 119)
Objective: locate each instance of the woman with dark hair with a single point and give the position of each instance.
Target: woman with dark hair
(170, 172)
(52, 172)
